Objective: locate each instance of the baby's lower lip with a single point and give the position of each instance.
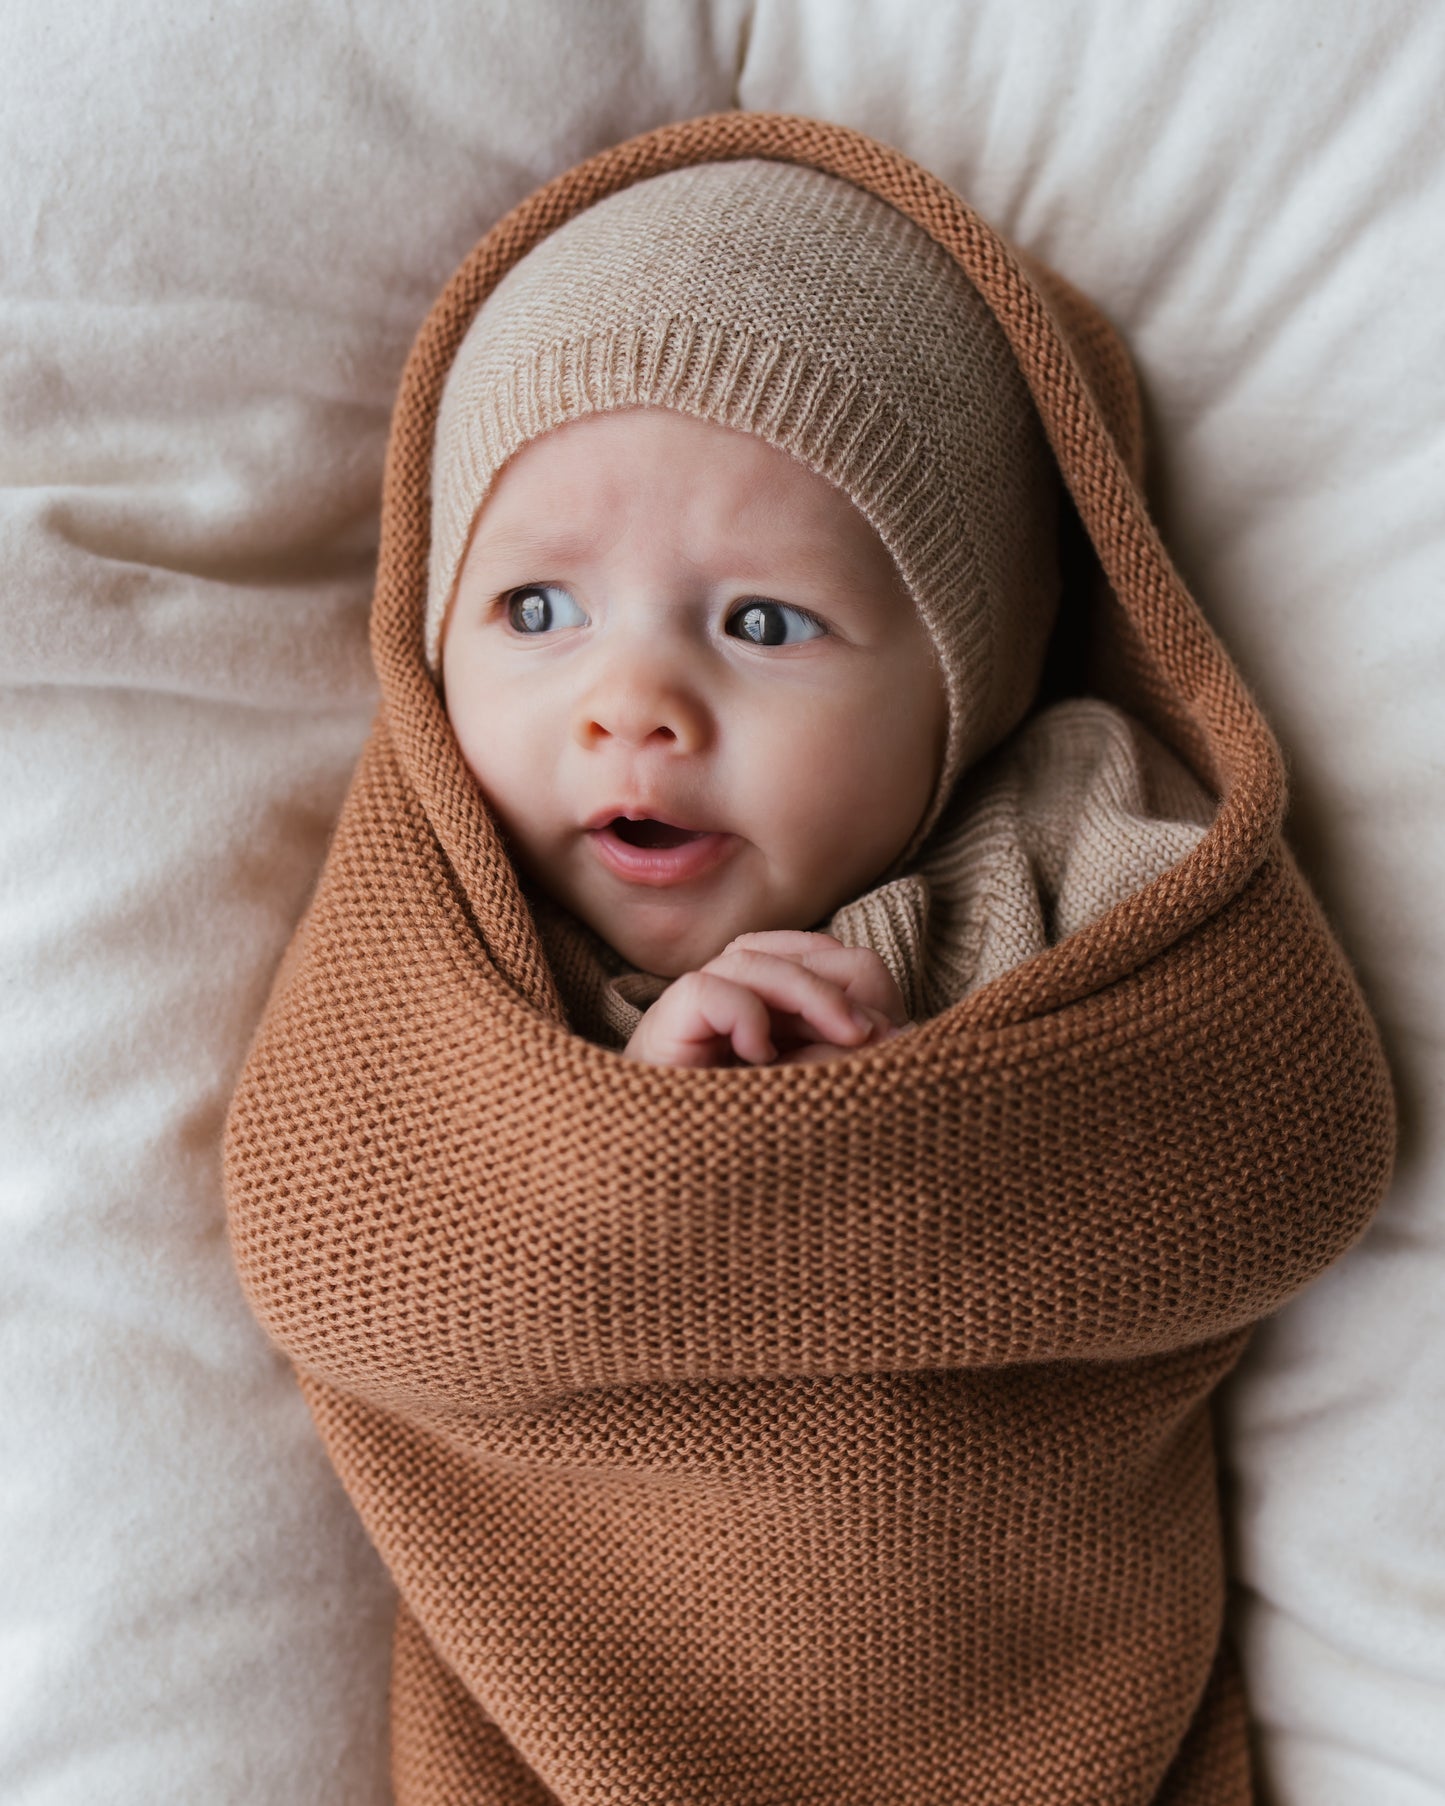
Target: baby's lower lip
(690, 858)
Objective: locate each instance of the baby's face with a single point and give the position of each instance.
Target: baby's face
(690, 683)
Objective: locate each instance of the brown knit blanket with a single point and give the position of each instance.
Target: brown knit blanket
(829, 1433)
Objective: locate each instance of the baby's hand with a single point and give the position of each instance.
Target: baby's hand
(784, 996)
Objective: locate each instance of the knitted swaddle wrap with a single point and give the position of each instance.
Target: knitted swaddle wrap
(833, 1433)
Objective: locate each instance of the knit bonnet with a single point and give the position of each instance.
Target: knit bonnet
(772, 298)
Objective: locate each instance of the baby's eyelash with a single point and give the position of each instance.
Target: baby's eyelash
(529, 611)
(763, 613)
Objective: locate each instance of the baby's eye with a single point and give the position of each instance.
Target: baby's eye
(773, 624)
(538, 606)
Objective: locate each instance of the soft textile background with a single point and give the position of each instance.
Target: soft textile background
(218, 231)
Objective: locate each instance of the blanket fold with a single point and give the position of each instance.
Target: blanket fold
(831, 1433)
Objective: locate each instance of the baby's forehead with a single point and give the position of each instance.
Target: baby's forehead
(660, 470)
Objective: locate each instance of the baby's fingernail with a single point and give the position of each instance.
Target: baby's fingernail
(862, 1017)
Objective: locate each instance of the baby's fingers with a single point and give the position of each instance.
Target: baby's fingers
(809, 1004)
(698, 1019)
(857, 971)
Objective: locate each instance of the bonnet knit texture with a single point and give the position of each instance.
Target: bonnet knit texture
(781, 301)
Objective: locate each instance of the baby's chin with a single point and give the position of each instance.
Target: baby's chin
(665, 954)
(669, 941)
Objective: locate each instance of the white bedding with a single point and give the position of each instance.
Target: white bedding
(218, 231)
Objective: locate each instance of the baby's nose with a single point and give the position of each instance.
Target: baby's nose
(642, 705)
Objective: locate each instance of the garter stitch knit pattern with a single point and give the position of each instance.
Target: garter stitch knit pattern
(831, 1435)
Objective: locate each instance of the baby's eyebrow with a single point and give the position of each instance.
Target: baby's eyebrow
(527, 545)
(808, 566)
(811, 573)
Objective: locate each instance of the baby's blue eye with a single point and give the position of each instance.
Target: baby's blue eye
(538, 606)
(773, 624)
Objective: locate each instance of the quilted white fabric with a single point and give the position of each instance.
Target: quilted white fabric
(219, 229)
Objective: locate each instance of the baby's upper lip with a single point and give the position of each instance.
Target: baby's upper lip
(642, 812)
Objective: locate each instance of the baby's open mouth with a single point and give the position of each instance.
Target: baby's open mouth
(659, 853)
(649, 833)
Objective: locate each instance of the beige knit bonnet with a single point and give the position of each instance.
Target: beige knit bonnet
(775, 299)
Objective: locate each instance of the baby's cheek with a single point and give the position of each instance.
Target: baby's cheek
(477, 721)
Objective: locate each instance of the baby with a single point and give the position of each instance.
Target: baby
(720, 625)
(838, 1433)
(713, 719)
